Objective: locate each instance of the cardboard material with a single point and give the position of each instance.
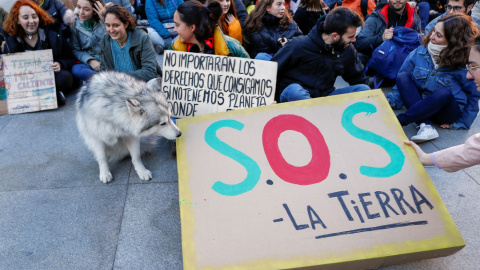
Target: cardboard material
(27, 83)
(324, 182)
(197, 84)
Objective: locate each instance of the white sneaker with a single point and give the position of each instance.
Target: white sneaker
(426, 133)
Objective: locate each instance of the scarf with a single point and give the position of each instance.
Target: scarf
(88, 24)
(434, 51)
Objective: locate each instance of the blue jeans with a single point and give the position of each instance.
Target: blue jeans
(263, 56)
(440, 106)
(296, 92)
(423, 13)
(83, 71)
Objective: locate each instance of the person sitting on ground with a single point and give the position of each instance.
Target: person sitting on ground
(309, 65)
(124, 3)
(198, 31)
(88, 31)
(268, 28)
(229, 22)
(126, 48)
(465, 155)
(357, 6)
(160, 16)
(57, 9)
(308, 13)
(432, 81)
(380, 24)
(454, 6)
(30, 28)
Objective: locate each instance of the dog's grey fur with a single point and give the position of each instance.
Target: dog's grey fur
(114, 110)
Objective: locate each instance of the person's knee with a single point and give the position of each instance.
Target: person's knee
(362, 87)
(293, 92)
(444, 95)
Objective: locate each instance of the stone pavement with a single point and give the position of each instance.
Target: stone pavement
(56, 214)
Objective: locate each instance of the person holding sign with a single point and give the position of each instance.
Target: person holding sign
(88, 31)
(229, 22)
(308, 66)
(465, 155)
(268, 28)
(432, 81)
(198, 31)
(126, 48)
(30, 28)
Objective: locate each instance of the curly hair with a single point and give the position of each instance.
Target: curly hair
(254, 20)
(205, 18)
(11, 25)
(122, 14)
(459, 31)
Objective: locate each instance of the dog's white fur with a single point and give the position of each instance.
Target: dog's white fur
(114, 110)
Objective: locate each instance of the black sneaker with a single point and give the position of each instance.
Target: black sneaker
(61, 100)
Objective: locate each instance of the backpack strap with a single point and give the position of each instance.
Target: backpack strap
(364, 7)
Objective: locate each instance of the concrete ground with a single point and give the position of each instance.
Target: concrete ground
(56, 214)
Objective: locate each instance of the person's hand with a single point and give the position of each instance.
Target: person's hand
(94, 64)
(432, 12)
(3, 46)
(100, 9)
(282, 41)
(425, 158)
(56, 67)
(229, 18)
(445, 126)
(387, 34)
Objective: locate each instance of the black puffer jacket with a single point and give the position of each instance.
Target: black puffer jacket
(308, 61)
(266, 40)
(306, 20)
(51, 38)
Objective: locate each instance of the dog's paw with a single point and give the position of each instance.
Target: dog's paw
(106, 177)
(144, 174)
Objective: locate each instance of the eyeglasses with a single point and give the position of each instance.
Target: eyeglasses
(455, 8)
(472, 68)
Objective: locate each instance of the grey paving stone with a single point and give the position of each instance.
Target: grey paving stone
(60, 228)
(44, 150)
(4, 120)
(150, 235)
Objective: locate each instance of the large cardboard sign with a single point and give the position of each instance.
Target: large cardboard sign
(27, 83)
(197, 84)
(323, 182)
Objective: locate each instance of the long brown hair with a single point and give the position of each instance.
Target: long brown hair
(254, 20)
(460, 31)
(221, 22)
(11, 25)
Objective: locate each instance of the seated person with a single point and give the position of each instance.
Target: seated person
(432, 81)
(379, 26)
(124, 3)
(454, 6)
(198, 31)
(88, 31)
(229, 22)
(126, 48)
(356, 5)
(309, 65)
(30, 28)
(268, 28)
(308, 13)
(160, 16)
(57, 9)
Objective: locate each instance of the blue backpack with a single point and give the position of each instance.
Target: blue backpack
(388, 58)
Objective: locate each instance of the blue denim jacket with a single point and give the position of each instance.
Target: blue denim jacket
(427, 79)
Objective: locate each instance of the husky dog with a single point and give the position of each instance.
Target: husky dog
(114, 110)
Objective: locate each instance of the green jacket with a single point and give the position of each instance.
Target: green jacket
(141, 52)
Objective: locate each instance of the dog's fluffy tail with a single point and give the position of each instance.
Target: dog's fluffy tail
(120, 150)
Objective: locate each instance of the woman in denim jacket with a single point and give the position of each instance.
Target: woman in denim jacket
(432, 81)
(88, 31)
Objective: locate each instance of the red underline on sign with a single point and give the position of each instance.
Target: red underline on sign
(383, 227)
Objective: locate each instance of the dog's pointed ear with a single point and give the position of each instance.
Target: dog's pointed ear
(156, 85)
(134, 106)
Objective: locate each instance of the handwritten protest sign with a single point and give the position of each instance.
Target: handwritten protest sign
(197, 84)
(27, 82)
(326, 181)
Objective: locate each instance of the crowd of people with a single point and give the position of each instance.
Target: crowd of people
(313, 42)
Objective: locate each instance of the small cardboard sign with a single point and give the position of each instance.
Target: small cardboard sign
(27, 82)
(197, 84)
(324, 182)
